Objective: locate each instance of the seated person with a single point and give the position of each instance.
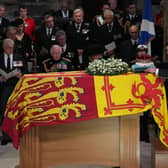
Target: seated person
(56, 63)
(128, 47)
(15, 65)
(61, 40)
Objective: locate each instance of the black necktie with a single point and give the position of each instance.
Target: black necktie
(135, 43)
(78, 27)
(49, 32)
(109, 27)
(8, 63)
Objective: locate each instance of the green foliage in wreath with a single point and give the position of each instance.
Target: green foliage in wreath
(111, 66)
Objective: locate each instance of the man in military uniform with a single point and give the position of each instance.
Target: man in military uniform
(56, 63)
(78, 35)
(132, 17)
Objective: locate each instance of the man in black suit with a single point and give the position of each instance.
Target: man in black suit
(109, 33)
(128, 47)
(45, 38)
(65, 47)
(64, 12)
(63, 15)
(3, 22)
(78, 35)
(132, 17)
(9, 62)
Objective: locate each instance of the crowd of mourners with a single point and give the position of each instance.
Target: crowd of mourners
(65, 41)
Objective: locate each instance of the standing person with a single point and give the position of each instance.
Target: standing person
(61, 40)
(63, 15)
(117, 13)
(78, 34)
(110, 33)
(22, 39)
(132, 17)
(18, 47)
(45, 37)
(29, 23)
(99, 19)
(4, 23)
(65, 12)
(128, 47)
(9, 61)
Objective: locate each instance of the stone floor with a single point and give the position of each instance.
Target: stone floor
(9, 157)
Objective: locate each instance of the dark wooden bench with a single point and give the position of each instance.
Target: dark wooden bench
(159, 154)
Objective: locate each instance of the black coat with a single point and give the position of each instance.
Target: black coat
(127, 51)
(59, 14)
(127, 23)
(42, 40)
(78, 40)
(163, 69)
(104, 37)
(23, 69)
(7, 87)
(135, 21)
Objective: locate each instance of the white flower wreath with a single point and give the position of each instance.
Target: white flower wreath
(111, 66)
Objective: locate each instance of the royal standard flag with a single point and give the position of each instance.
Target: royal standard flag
(147, 30)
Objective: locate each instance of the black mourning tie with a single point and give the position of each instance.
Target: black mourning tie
(8, 63)
(78, 28)
(109, 27)
(49, 33)
(135, 43)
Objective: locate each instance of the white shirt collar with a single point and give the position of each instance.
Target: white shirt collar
(65, 13)
(133, 41)
(131, 16)
(65, 47)
(11, 60)
(47, 29)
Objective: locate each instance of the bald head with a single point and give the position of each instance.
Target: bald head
(134, 32)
